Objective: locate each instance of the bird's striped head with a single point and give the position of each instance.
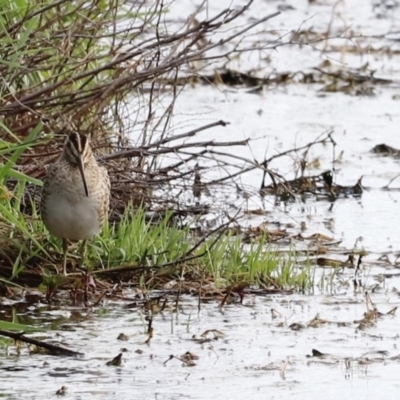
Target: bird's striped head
(77, 146)
(77, 152)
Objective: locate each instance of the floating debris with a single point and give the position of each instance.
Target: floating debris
(116, 361)
(123, 337)
(62, 391)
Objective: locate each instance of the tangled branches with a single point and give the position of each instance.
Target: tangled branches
(88, 65)
(75, 61)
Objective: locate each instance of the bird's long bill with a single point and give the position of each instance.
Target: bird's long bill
(82, 171)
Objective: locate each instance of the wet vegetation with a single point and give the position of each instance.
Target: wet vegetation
(79, 66)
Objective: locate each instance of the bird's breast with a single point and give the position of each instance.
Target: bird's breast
(71, 217)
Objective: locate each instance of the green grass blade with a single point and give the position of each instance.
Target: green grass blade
(4, 172)
(12, 326)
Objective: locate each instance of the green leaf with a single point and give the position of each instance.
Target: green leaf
(12, 173)
(4, 172)
(12, 326)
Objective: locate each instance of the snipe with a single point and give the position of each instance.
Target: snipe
(76, 195)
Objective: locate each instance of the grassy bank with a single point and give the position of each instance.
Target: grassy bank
(78, 65)
(149, 251)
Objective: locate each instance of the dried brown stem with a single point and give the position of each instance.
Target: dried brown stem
(53, 349)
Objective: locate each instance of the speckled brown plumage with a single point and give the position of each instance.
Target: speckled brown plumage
(75, 201)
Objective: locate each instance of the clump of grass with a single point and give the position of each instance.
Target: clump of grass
(137, 239)
(232, 261)
(163, 248)
(224, 259)
(76, 64)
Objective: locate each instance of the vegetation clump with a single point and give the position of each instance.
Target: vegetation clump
(103, 68)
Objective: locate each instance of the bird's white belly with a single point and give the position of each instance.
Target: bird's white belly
(76, 220)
